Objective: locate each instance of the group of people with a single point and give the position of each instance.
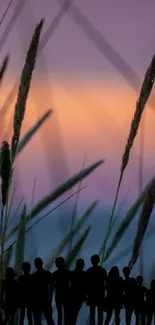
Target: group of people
(33, 294)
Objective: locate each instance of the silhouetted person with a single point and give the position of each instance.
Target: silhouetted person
(42, 285)
(9, 287)
(77, 292)
(96, 284)
(129, 285)
(114, 299)
(140, 309)
(150, 302)
(61, 282)
(24, 285)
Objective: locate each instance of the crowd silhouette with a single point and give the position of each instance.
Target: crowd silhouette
(32, 294)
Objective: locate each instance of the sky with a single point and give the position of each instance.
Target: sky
(92, 104)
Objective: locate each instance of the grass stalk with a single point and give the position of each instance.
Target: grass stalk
(144, 219)
(140, 106)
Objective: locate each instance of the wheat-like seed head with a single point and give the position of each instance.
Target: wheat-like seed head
(144, 95)
(24, 87)
(143, 222)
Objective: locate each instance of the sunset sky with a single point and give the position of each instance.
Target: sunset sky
(92, 103)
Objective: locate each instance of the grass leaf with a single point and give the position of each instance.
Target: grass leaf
(3, 68)
(131, 214)
(74, 252)
(42, 204)
(144, 219)
(76, 228)
(20, 244)
(28, 136)
(5, 170)
(7, 257)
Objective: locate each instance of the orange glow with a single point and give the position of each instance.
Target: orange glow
(87, 117)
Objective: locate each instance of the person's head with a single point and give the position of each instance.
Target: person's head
(26, 267)
(95, 259)
(153, 285)
(114, 272)
(139, 280)
(38, 263)
(60, 262)
(10, 273)
(80, 264)
(126, 271)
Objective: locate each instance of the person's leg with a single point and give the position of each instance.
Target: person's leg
(117, 315)
(149, 317)
(59, 312)
(100, 315)
(12, 316)
(143, 320)
(66, 311)
(47, 311)
(128, 314)
(36, 310)
(92, 315)
(29, 315)
(137, 317)
(6, 316)
(153, 314)
(108, 317)
(76, 312)
(22, 316)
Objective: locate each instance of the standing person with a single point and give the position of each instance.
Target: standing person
(9, 289)
(150, 303)
(42, 290)
(129, 286)
(24, 291)
(140, 309)
(114, 299)
(96, 283)
(61, 278)
(77, 291)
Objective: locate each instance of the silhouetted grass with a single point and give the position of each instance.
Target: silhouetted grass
(7, 159)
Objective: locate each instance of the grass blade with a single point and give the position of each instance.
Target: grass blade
(7, 257)
(15, 213)
(75, 251)
(20, 244)
(57, 193)
(126, 251)
(126, 222)
(76, 228)
(11, 203)
(16, 228)
(5, 169)
(144, 219)
(75, 207)
(5, 12)
(28, 136)
(3, 68)
(42, 204)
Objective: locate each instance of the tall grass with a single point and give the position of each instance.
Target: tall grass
(140, 106)
(8, 155)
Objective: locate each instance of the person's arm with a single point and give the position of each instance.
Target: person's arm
(105, 279)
